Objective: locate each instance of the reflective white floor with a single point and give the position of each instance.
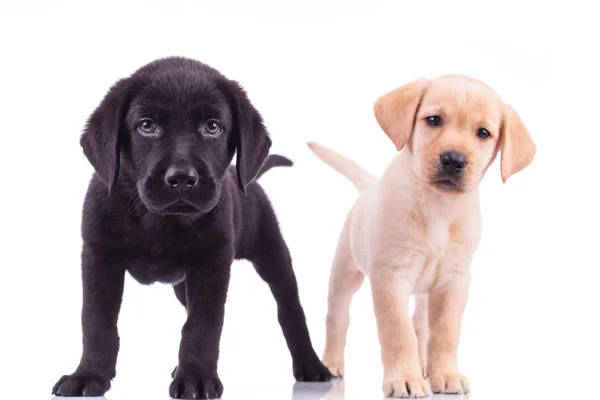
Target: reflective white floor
(334, 390)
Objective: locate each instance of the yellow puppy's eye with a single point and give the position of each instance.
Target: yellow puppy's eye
(483, 133)
(434, 120)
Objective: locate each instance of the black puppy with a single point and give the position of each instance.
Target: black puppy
(166, 205)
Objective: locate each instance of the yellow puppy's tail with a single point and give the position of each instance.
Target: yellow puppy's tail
(360, 177)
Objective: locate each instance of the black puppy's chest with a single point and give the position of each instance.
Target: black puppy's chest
(147, 270)
(160, 252)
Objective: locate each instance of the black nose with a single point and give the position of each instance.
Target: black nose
(178, 177)
(453, 162)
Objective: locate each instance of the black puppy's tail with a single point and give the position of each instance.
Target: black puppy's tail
(274, 160)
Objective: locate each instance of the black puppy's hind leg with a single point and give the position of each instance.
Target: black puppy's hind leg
(271, 259)
(102, 294)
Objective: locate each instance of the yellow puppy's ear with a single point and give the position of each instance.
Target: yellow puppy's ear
(395, 111)
(518, 148)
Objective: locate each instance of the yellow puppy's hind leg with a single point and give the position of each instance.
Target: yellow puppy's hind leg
(344, 282)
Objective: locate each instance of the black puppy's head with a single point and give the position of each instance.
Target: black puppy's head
(171, 130)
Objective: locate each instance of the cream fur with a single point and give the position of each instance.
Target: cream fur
(409, 237)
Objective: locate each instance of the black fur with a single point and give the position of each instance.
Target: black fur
(187, 235)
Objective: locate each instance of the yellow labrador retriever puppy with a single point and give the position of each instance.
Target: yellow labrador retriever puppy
(414, 230)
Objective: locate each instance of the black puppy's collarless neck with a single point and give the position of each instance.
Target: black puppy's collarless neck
(150, 220)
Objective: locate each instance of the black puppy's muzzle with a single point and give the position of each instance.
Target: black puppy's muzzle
(180, 189)
(451, 169)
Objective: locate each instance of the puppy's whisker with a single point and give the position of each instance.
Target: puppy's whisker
(133, 203)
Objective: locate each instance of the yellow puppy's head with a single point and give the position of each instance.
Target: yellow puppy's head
(454, 126)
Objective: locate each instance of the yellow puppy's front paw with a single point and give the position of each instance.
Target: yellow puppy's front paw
(412, 386)
(449, 383)
(336, 367)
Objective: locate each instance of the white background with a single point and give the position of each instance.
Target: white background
(313, 70)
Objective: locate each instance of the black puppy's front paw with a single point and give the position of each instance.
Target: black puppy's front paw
(77, 385)
(192, 386)
(311, 370)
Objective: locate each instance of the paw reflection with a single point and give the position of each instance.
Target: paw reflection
(333, 390)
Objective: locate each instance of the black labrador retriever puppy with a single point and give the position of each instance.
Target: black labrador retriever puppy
(166, 206)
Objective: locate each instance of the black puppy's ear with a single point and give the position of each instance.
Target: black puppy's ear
(101, 139)
(252, 140)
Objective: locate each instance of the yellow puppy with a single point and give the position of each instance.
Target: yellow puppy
(414, 231)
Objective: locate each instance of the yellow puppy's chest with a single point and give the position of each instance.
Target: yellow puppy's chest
(438, 254)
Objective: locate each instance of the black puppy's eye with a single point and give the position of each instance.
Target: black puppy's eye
(147, 126)
(434, 120)
(483, 133)
(212, 127)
